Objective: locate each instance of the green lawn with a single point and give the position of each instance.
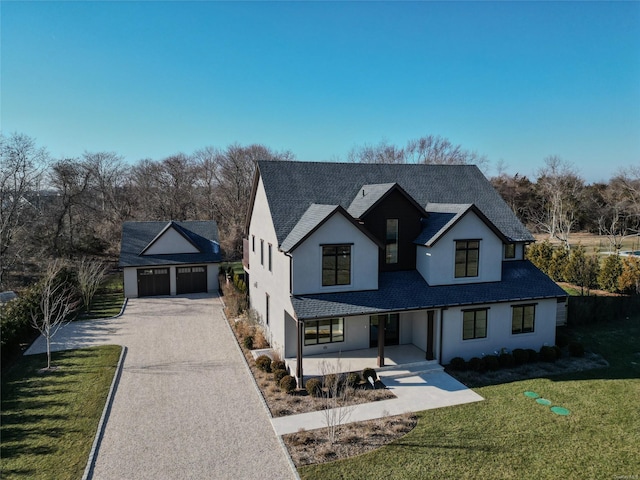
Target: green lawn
(511, 436)
(107, 301)
(49, 420)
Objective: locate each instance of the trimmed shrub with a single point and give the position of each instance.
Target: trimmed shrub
(369, 372)
(248, 342)
(332, 380)
(353, 379)
(491, 362)
(263, 362)
(562, 339)
(477, 364)
(279, 374)
(506, 360)
(576, 349)
(288, 383)
(532, 355)
(558, 351)
(458, 363)
(314, 387)
(278, 365)
(520, 356)
(548, 354)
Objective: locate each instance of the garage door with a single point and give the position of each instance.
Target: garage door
(153, 281)
(191, 279)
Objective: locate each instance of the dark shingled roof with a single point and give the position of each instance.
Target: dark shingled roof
(136, 236)
(315, 215)
(403, 291)
(291, 187)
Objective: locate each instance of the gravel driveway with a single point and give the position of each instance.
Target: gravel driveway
(186, 406)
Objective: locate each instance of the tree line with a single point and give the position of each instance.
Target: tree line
(73, 207)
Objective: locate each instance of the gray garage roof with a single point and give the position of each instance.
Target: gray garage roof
(291, 187)
(405, 291)
(136, 237)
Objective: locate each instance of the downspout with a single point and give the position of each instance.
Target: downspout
(441, 329)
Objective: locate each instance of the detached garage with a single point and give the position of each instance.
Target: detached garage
(174, 258)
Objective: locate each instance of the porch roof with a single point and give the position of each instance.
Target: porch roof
(405, 291)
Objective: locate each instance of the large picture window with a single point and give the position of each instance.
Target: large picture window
(336, 265)
(474, 324)
(391, 247)
(467, 258)
(324, 331)
(523, 318)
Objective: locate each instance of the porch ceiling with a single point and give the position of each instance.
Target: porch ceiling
(357, 360)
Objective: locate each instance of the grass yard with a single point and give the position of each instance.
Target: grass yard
(49, 420)
(511, 436)
(108, 299)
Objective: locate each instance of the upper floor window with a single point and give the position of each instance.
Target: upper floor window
(523, 318)
(474, 324)
(261, 252)
(270, 258)
(510, 250)
(391, 249)
(336, 265)
(467, 258)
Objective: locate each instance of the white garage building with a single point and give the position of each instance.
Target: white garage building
(169, 258)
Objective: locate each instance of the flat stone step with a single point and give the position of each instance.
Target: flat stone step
(409, 369)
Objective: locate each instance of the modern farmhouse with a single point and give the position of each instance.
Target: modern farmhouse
(346, 256)
(169, 258)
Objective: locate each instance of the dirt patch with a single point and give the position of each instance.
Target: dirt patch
(561, 366)
(311, 447)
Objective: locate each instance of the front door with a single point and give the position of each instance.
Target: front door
(391, 330)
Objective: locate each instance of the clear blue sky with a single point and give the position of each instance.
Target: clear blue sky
(514, 81)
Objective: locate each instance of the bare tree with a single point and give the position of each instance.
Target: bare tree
(336, 395)
(58, 301)
(560, 189)
(21, 168)
(428, 149)
(90, 276)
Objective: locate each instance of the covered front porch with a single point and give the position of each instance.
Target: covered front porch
(396, 357)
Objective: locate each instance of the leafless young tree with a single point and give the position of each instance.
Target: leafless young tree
(336, 395)
(58, 301)
(90, 276)
(21, 168)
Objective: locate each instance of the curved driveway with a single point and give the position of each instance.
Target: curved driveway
(185, 406)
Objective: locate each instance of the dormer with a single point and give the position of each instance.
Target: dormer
(393, 217)
(172, 239)
(459, 244)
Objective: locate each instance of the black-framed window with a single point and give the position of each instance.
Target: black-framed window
(330, 330)
(270, 258)
(253, 243)
(261, 252)
(474, 324)
(336, 265)
(267, 305)
(467, 258)
(523, 318)
(510, 250)
(391, 246)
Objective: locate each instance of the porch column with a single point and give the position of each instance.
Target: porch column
(382, 325)
(300, 334)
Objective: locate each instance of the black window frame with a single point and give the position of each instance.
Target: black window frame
(267, 307)
(510, 250)
(262, 252)
(253, 243)
(520, 319)
(475, 319)
(464, 248)
(310, 325)
(337, 255)
(391, 241)
(270, 257)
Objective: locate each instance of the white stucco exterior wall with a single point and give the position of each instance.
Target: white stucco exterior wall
(307, 258)
(436, 264)
(171, 242)
(498, 330)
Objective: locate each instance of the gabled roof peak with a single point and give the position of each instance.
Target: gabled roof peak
(372, 194)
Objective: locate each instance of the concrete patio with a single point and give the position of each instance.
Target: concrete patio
(358, 360)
